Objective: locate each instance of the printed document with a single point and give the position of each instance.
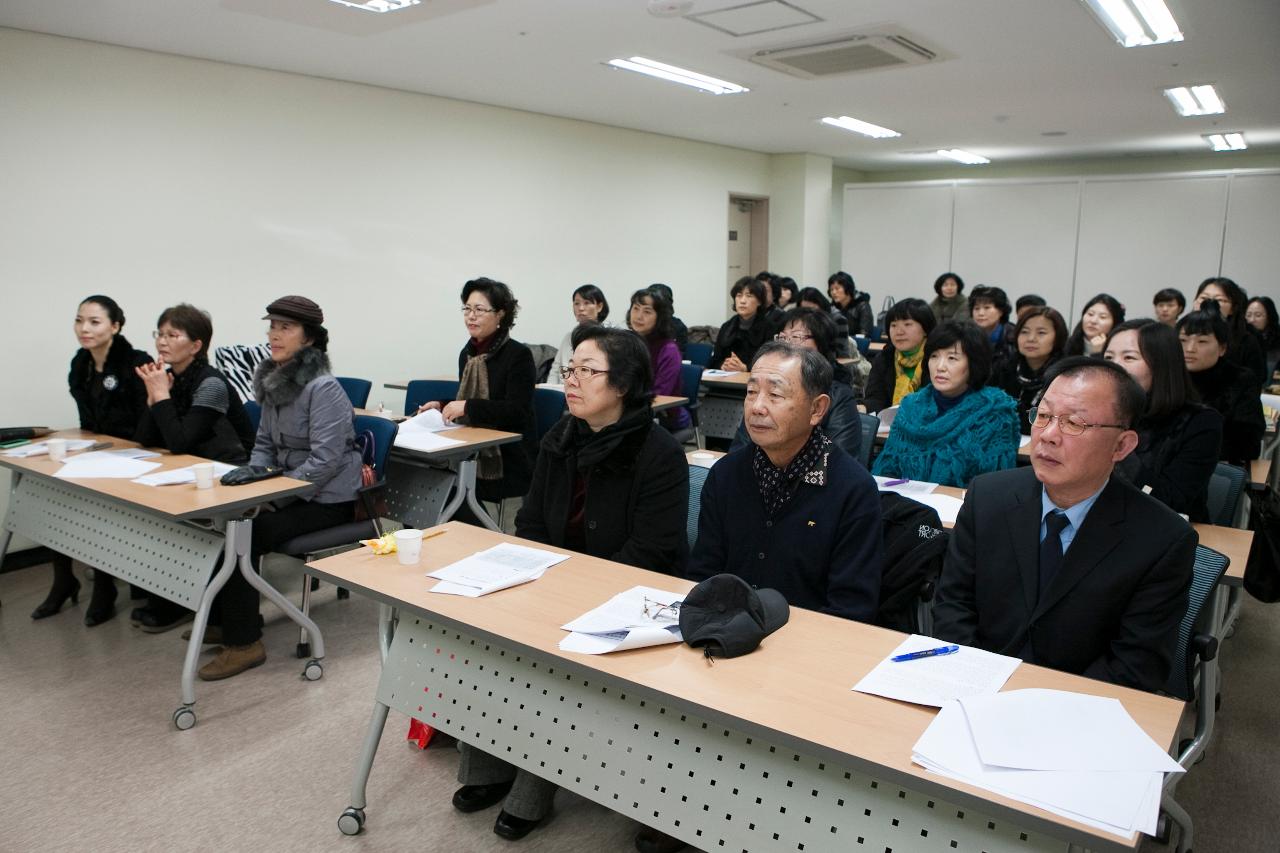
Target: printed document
(104, 464)
(935, 681)
(499, 567)
(421, 433)
(638, 617)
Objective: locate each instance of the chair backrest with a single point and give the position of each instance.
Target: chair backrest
(357, 390)
(1225, 487)
(870, 426)
(238, 362)
(383, 431)
(1207, 573)
(863, 344)
(548, 408)
(253, 409)
(697, 477)
(699, 354)
(690, 382)
(544, 355)
(424, 390)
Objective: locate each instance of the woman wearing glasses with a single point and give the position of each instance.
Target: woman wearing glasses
(1178, 439)
(650, 317)
(495, 388)
(191, 408)
(898, 369)
(958, 426)
(110, 399)
(608, 483)
(1041, 335)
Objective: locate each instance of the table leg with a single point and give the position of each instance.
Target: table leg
(185, 716)
(241, 531)
(467, 484)
(352, 819)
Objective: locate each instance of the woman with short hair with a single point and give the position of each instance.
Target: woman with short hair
(110, 400)
(650, 317)
(1178, 438)
(990, 310)
(589, 306)
(1244, 348)
(950, 302)
(608, 483)
(1222, 383)
(1042, 336)
(855, 305)
(743, 333)
(898, 369)
(958, 426)
(1101, 314)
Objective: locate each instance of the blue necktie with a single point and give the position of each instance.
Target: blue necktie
(1051, 548)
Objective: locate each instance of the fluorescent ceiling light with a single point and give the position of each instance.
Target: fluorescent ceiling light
(1226, 141)
(378, 5)
(678, 75)
(1200, 100)
(866, 128)
(1135, 23)
(962, 156)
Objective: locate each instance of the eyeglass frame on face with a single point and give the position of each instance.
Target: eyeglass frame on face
(796, 339)
(1065, 426)
(580, 372)
(654, 609)
(174, 335)
(477, 311)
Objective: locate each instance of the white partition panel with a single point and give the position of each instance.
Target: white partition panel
(1018, 236)
(1138, 235)
(1251, 250)
(897, 238)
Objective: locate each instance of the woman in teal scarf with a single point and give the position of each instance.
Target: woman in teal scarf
(957, 426)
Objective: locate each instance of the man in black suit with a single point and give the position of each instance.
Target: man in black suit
(1061, 564)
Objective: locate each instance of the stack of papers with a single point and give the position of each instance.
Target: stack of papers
(886, 419)
(620, 623)
(714, 374)
(908, 488)
(935, 681)
(105, 464)
(1080, 757)
(420, 432)
(499, 567)
(41, 448)
(180, 476)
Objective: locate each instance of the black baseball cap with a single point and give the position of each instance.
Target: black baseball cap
(727, 617)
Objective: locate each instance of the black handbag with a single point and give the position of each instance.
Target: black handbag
(1262, 572)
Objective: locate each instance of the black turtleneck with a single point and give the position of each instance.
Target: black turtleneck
(1234, 393)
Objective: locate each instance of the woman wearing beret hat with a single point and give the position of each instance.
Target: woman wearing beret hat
(306, 429)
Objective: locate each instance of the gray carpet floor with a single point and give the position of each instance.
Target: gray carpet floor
(90, 762)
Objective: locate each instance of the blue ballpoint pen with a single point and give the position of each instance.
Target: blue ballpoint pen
(927, 653)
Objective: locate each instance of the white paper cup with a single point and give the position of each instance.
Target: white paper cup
(57, 449)
(408, 546)
(204, 475)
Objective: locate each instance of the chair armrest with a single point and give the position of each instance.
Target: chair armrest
(1204, 646)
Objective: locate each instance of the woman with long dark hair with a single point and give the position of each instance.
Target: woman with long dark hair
(1042, 336)
(1244, 348)
(1178, 438)
(1101, 314)
(650, 317)
(1222, 383)
(589, 306)
(1261, 316)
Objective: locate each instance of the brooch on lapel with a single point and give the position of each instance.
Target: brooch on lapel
(110, 383)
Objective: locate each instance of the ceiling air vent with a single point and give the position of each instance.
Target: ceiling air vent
(863, 52)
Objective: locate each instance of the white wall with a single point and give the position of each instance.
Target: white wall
(157, 179)
(799, 216)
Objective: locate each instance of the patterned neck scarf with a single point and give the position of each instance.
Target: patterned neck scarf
(778, 485)
(907, 376)
(474, 385)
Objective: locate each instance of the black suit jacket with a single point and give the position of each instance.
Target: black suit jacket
(1113, 610)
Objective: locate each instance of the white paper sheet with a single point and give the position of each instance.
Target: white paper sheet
(1117, 802)
(423, 440)
(499, 567)
(718, 374)
(620, 623)
(937, 680)
(948, 507)
(1041, 729)
(886, 419)
(104, 465)
(910, 488)
(1024, 441)
(180, 476)
(40, 448)
(135, 453)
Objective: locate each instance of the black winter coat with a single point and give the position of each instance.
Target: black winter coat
(637, 498)
(1234, 391)
(735, 340)
(121, 398)
(1176, 456)
(509, 408)
(203, 416)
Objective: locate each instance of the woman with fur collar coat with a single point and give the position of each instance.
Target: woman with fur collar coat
(307, 430)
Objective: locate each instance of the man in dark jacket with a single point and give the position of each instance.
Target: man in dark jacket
(1062, 564)
(791, 510)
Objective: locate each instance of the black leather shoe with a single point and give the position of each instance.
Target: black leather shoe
(514, 828)
(102, 604)
(94, 616)
(56, 598)
(474, 798)
(650, 840)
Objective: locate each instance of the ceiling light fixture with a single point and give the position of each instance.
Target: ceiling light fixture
(1226, 141)
(1136, 23)
(678, 75)
(1199, 100)
(962, 156)
(378, 5)
(866, 128)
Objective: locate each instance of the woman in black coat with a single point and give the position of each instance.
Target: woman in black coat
(744, 332)
(496, 377)
(1222, 383)
(1178, 438)
(1244, 348)
(1041, 335)
(110, 399)
(610, 483)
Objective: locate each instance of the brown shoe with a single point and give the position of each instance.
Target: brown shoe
(233, 660)
(212, 635)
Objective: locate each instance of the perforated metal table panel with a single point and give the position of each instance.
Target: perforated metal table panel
(720, 412)
(703, 781)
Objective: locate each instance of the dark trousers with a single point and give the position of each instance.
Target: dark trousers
(238, 601)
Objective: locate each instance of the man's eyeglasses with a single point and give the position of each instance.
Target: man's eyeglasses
(582, 372)
(797, 338)
(657, 610)
(1069, 424)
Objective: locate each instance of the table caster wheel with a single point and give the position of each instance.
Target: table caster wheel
(314, 670)
(304, 650)
(351, 821)
(184, 718)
